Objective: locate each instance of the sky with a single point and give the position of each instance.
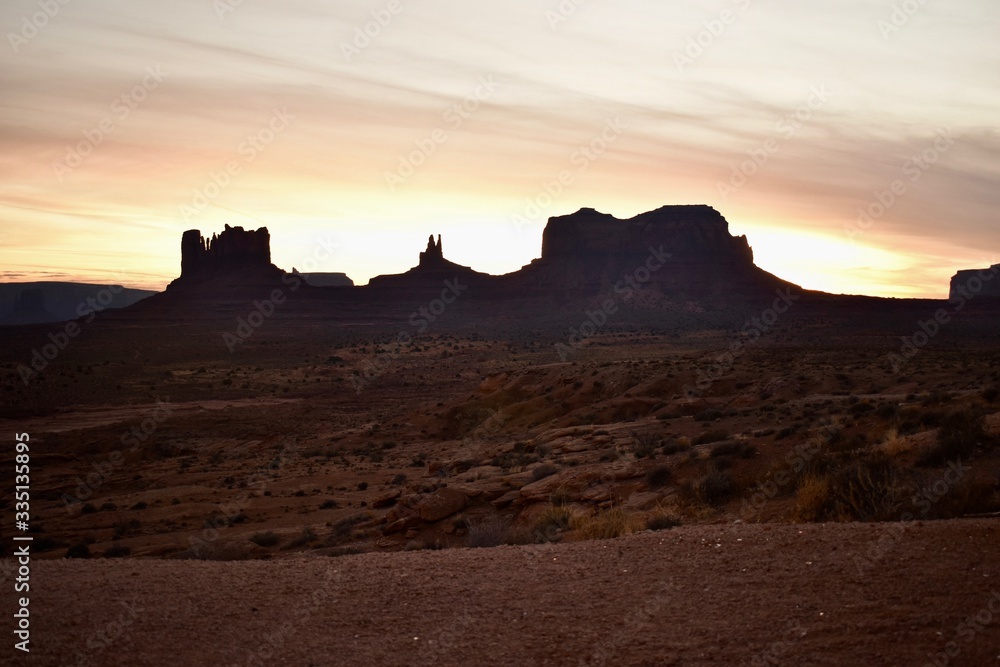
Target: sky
(855, 143)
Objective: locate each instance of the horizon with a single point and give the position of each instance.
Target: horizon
(322, 247)
(856, 147)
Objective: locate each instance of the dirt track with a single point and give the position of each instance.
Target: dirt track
(738, 594)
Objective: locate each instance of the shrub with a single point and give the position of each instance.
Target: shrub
(606, 525)
(658, 477)
(726, 449)
(125, 527)
(716, 487)
(866, 490)
(551, 523)
(268, 539)
(305, 537)
(343, 528)
(662, 522)
(673, 447)
(117, 551)
(80, 550)
(489, 532)
(708, 416)
(958, 438)
(544, 470)
(646, 444)
(329, 504)
(714, 435)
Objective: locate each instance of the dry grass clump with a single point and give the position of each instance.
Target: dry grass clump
(491, 531)
(607, 524)
(958, 438)
(893, 444)
(860, 490)
(552, 522)
(662, 520)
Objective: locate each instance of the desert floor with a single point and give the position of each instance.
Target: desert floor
(818, 594)
(311, 497)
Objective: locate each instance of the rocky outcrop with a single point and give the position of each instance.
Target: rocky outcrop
(431, 271)
(325, 279)
(233, 250)
(974, 283)
(684, 231)
(434, 256)
(679, 249)
(237, 259)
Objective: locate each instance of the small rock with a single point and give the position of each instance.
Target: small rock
(387, 499)
(441, 504)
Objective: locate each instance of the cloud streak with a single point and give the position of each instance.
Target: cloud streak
(353, 120)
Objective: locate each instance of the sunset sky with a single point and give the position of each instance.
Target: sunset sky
(123, 124)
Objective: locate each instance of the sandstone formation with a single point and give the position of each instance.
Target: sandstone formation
(684, 231)
(431, 271)
(325, 279)
(678, 249)
(684, 252)
(234, 250)
(974, 283)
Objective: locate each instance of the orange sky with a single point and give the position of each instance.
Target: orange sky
(124, 125)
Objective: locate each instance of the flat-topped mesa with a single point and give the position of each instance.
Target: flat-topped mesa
(687, 232)
(236, 258)
(234, 248)
(973, 283)
(687, 250)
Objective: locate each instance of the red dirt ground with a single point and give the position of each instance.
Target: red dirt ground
(736, 594)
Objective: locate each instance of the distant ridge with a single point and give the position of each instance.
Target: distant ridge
(58, 301)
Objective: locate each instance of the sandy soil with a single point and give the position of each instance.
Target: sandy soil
(820, 594)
